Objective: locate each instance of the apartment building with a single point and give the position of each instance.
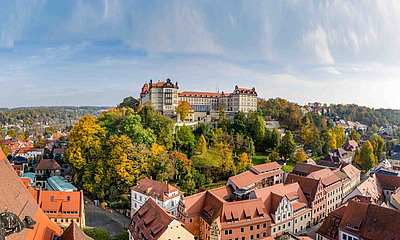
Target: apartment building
(165, 195)
(315, 194)
(258, 176)
(287, 207)
(162, 95)
(241, 99)
(332, 185)
(152, 222)
(211, 216)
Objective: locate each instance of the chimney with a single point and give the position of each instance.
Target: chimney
(151, 178)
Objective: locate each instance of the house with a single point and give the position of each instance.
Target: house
(350, 222)
(346, 188)
(389, 184)
(287, 207)
(332, 186)
(354, 175)
(315, 194)
(304, 169)
(371, 187)
(351, 146)
(394, 160)
(258, 176)
(339, 155)
(48, 165)
(15, 198)
(19, 169)
(151, 222)
(190, 114)
(62, 208)
(29, 152)
(165, 195)
(396, 149)
(211, 216)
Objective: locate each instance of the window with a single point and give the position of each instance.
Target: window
(289, 224)
(251, 237)
(243, 238)
(258, 226)
(257, 236)
(190, 220)
(52, 198)
(68, 198)
(242, 229)
(264, 234)
(264, 225)
(251, 228)
(284, 226)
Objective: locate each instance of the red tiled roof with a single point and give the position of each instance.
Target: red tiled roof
(150, 220)
(15, 198)
(73, 232)
(200, 94)
(249, 177)
(266, 167)
(47, 164)
(326, 175)
(351, 171)
(26, 150)
(307, 185)
(306, 168)
(388, 182)
(155, 189)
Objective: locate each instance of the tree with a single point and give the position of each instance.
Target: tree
(367, 158)
(130, 102)
(27, 134)
(186, 138)
(258, 127)
(354, 135)
(21, 137)
(244, 163)
(374, 128)
(222, 114)
(202, 144)
(183, 110)
(3, 148)
(12, 133)
(275, 138)
(240, 124)
(390, 146)
(97, 233)
(340, 136)
(300, 156)
(288, 146)
(226, 165)
(131, 126)
(307, 135)
(379, 146)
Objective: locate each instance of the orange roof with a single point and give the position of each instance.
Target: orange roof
(326, 175)
(200, 94)
(59, 202)
(15, 198)
(307, 185)
(372, 188)
(351, 171)
(272, 166)
(249, 177)
(26, 182)
(26, 150)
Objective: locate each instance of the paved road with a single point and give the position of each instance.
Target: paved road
(310, 231)
(114, 222)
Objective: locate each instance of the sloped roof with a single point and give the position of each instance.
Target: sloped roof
(151, 220)
(199, 94)
(249, 177)
(14, 197)
(371, 188)
(395, 156)
(326, 175)
(155, 189)
(388, 181)
(306, 168)
(73, 232)
(47, 164)
(307, 185)
(60, 201)
(350, 171)
(266, 167)
(350, 145)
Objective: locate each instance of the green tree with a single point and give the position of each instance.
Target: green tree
(379, 146)
(130, 102)
(374, 128)
(226, 165)
(97, 233)
(222, 114)
(367, 158)
(186, 138)
(12, 133)
(240, 124)
(27, 134)
(182, 110)
(390, 147)
(188, 184)
(275, 138)
(274, 156)
(132, 127)
(202, 144)
(258, 127)
(354, 135)
(288, 146)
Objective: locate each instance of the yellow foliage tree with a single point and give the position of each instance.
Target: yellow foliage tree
(183, 110)
(202, 144)
(226, 164)
(21, 136)
(244, 162)
(332, 142)
(307, 135)
(300, 156)
(340, 136)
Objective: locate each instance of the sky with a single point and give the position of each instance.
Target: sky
(82, 52)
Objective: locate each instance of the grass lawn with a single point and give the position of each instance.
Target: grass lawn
(259, 158)
(209, 158)
(289, 167)
(215, 185)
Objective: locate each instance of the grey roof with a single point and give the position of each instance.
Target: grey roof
(395, 157)
(397, 148)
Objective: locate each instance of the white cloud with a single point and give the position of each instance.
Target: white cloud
(331, 70)
(232, 20)
(317, 41)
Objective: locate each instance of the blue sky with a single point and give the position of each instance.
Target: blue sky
(81, 52)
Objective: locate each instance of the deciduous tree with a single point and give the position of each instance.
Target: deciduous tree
(202, 144)
(244, 163)
(182, 110)
(354, 135)
(288, 146)
(300, 156)
(367, 158)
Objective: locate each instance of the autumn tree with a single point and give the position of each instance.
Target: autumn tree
(12, 133)
(3, 148)
(367, 159)
(182, 110)
(202, 144)
(374, 128)
(288, 146)
(21, 137)
(340, 136)
(300, 156)
(244, 163)
(354, 135)
(162, 165)
(378, 144)
(226, 165)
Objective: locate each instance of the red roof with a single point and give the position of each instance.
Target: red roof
(200, 94)
(155, 189)
(74, 232)
(26, 150)
(47, 164)
(272, 166)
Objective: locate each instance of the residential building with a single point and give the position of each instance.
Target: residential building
(165, 195)
(304, 169)
(339, 155)
(151, 222)
(19, 169)
(351, 146)
(394, 160)
(371, 188)
(315, 194)
(163, 96)
(346, 188)
(29, 152)
(360, 220)
(332, 185)
(210, 216)
(258, 176)
(49, 166)
(354, 175)
(287, 207)
(395, 199)
(190, 114)
(62, 208)
(389, 184)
